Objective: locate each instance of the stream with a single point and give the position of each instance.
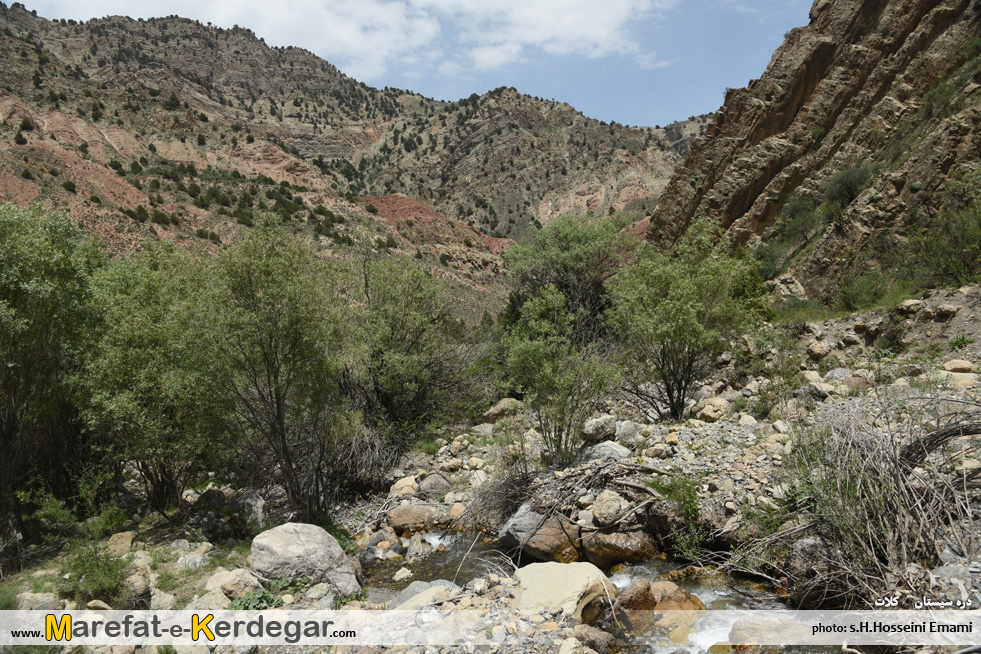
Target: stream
(462, 557)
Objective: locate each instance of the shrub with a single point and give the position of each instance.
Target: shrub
(69, 186)
(948, 249)
(8, 597)
(673, 310)
(94, 574)
(19, 139)
(846, 185)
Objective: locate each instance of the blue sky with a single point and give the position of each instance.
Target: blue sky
(637, 62)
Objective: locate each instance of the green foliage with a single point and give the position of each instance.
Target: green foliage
(958, 342)
(146, 383)
(560, 378)
(683, 492)
(44, 308)
(257, 600)
(94, 574)
(674, 309)
(575, 255)
(68, 185)
(846, 185)
(947, 250)
(8, 597)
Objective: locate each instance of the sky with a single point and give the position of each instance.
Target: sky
(636, 62)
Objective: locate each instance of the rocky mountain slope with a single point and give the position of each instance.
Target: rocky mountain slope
(885, 87)
(171, 91)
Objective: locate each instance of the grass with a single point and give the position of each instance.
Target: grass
(8, 597)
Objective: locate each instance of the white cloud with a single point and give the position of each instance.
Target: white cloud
(368, 38)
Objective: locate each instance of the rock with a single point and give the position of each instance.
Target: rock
(235, 584)
(593, 638)
(405, 487)
(710, 409)
(805, 558)
(909, 307)
(214, 600)
(837, 375)
(817, 350)
(451, 465)
(857, 382)
(98, 605)
(956, 379)
(476, 463)
(433, 486)
(731, 508)
(605, 550)
(811, 375)
(402, 574)
(599, 428)
(609, 506)
(210, 500)
(413, 517)
(457, 511)
(781, 427)
(192, 561)
(672, 438)
(818, 390)
(544, 539)
(302, 550)
(161, 601)
(478, 478)
(250, 507)
(415, 594)
(627, 432)
(746, 420)
(606, 451)
(658, 451)
(418, 548)
(39, 602)
(317, 591)
(578, 589)
(851, 338)
(958, 365)
(947, 310)
(121, 543)
(507, 406)
(180, 545)
(484, 430)
(571, 646)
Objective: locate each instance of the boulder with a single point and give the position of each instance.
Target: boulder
(628, 431)
(250, 508)
(545, 539)
(507, 406)
(413, 517)
(608, 549)
(817, 350)
(192, 561)
(416, 593)
(121, 543)
(39, 602)
(661, 605)
(958, 365)
(580, 590)
(710, 409)
(418, 548)
(161, 601)
(235, 584)
(599, 428)
(433, 486)
(596, 639)
(210, 500)
(405, 487)
(607, 451)
(571, 646)
(301, 550)
(214, 600)
(607, 507)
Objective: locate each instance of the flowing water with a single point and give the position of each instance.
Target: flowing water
(463, 557)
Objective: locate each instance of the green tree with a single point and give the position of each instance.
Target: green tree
(147, 382)
(575, 255)
(279, 334)
(948, 249)
(674, 309)
(45, 267)
(560, 378)
(416, 362)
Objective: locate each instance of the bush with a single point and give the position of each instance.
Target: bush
(94, 574)
(846, 185)
(948, 249)
(8, 597)
(673, 310)
(69, 186)
(560, 378)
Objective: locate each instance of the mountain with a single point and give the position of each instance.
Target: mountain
(879, 97)
(108, 115)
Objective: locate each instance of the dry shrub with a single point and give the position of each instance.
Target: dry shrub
(876, 486)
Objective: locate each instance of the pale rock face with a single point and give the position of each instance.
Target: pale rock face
(302, 550)
(572, 587)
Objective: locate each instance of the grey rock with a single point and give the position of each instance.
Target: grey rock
(607, 451)
(433, 486)
(599, 428)
(417, 587)
(303, 550)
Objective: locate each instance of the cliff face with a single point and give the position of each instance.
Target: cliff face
(886, 84)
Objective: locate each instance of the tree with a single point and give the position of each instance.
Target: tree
(560, 379)
(674, 309)
(148, 382)
(45, 267)
(416, 362)
(278, 331)
(575, 255)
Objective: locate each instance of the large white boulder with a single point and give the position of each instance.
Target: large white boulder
(300, 550)
(576, 588)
